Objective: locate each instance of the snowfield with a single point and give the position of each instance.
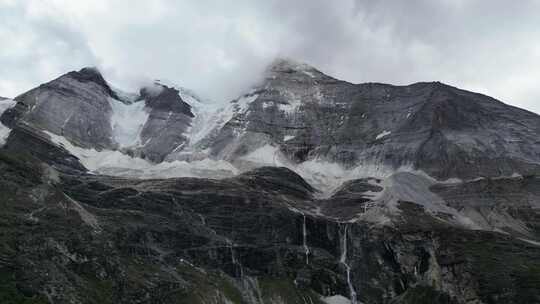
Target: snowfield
(116, 163)
(194, 158)
(4, 131)
(127, 121)
(403, 184)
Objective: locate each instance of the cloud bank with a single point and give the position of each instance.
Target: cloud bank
(219, 48)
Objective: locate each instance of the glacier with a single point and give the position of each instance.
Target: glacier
(127, 121)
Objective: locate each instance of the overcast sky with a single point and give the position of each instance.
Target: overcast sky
(218, 48)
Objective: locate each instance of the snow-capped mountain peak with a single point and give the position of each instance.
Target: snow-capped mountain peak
(327, 130)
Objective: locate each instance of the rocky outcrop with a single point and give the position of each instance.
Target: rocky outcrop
(26, 140)
(392, 231)
(249, 239)
(75, 105)
(509, 205)
(442, 130)
(170, 117)
(78, 107)
(304, 115)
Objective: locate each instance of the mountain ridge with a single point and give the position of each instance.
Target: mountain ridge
(305, 189)
(443, 109)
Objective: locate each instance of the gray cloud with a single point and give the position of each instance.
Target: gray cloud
(219, 48)
(36, 48)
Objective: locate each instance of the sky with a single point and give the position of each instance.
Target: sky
(220, 48)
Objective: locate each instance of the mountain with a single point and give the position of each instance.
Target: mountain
(74, 105)
(305, 189)
(441, 130)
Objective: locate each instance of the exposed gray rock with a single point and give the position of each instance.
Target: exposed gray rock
(170, 117)
(25, 139)
(506, 204)
(442, 130)
(98, 239)
(74, 105)
(77, 106)
(267, 235)
(307, 115)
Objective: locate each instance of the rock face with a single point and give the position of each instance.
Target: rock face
(95, 239)
(510, 205)
(74, 105)
(433, 127)
(267, 235)
(77, 106)
(170, 117)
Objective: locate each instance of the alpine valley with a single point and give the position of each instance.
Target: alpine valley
(305, 189)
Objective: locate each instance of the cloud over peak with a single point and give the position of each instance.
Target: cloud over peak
(219, 48)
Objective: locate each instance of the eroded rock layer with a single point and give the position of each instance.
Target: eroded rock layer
(306, 189)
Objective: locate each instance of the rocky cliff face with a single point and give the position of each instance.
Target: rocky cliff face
(169, 119)
(435, 194)
(433, 127)
(75, 105)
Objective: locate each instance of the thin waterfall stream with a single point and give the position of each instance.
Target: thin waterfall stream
(343, 261)
(304, 234)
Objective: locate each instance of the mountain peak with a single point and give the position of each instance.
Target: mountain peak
(287, 66)
(288, 63)
(92, 74)
(88, 74)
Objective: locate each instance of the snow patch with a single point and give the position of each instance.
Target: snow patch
(4, 131)
(383, 134)
(288, 137)
(241, 105)
(118, 164)
(127, 121)
(309, 73)
(294, 101)
(290, 107)
(328, 176)
(530, 241)
(338, 299)
(208, 116)
(6, 104)
(265, 155)
(266, 105)
(402, 184)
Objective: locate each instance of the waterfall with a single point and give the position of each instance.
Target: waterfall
(236, 264)
(343, 261)
(304, 233)
(251, 290)
(203, 220)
